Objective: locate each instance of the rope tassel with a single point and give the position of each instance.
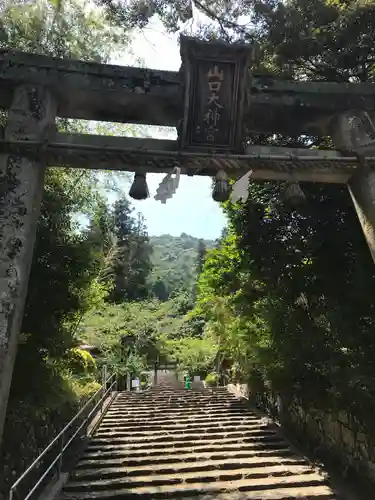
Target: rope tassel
(221, 188)
(168, 186)
(293, 194)
(139, 188)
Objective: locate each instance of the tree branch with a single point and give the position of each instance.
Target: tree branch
(223, 23)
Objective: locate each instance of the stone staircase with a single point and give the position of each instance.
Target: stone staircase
(202, 445)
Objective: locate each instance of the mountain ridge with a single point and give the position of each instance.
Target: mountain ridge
(174, 261)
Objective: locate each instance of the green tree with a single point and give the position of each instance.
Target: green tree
(159, 289)
(192, 354)
(126, 334)
(174, 261)
(200, 256)
(76, 31)
(64, 265)
(132, 263)
(63, 269)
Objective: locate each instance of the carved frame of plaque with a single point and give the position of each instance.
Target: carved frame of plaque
(215, 79)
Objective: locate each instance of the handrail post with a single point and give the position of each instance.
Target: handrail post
(104, 384)
(61, 456)
(104, 378)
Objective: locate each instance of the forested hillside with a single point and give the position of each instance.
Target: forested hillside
(158, 326)
(174, 263)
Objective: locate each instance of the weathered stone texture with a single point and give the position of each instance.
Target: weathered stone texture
(335, 434)
(30, 117)
(362, 190)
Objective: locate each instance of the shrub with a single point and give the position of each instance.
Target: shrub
(81, 362)
(211, 379)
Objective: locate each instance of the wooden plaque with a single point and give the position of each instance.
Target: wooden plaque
(215, 75)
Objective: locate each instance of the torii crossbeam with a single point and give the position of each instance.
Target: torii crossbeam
(216, 101)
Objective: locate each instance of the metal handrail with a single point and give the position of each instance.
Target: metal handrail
(61, 437)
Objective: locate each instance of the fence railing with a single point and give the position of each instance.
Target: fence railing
(58, 447)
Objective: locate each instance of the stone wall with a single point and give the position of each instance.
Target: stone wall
(339, 437)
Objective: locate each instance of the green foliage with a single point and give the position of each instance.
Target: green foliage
(211, 379)
(80, 361)
(63, 265)
(132, 336)
(277, 296)
(63, 282)
(65, 278)
(126, 334)
(137, 13)
(192, 354)
(132, 265)
(76, 31)
(321, 39)
(174, 260)
(72, 267)
(200, 256)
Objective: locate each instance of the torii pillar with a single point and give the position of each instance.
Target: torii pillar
(31, 117)
(362, 191)
(354, 131)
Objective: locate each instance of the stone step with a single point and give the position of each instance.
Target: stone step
(160, 448)
(177, 391)
(134, 430)
(261, 457)
(210, 420)
(267, 488)
(197, 420)
(187, 438)
(177, 404)
(185, 396)
(311, 493)
(144, 399)
(170, 399)
(174, 414)
(183, 423)
(167, 406)
(272, 474)
(123, 431)
(175, 408)
(181, 413)
(268, 465)
(183, 434)
(177, 444)
(174, 393)
(175, 397)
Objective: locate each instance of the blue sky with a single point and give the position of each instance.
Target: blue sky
(192, 209)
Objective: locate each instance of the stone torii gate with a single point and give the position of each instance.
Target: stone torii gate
(214, 101)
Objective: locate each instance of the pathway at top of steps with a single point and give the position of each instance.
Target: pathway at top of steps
(200, 444)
